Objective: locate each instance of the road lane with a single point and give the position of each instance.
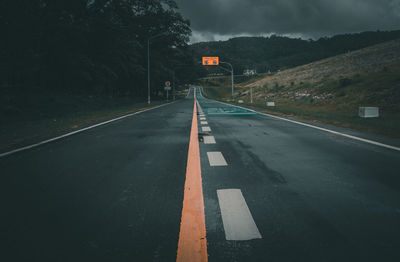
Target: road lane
(115, 193)
(314, 196)
(112, 193)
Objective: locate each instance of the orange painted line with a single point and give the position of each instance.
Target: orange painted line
(192, 244)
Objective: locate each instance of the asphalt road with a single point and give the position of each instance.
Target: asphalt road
(314, 196)
(115, 192)
(112, 193)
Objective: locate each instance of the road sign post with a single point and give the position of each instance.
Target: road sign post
(167, 87)
(214, 61)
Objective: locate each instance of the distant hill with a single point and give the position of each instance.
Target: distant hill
(277, 53)
(329, 90)
(377, 58)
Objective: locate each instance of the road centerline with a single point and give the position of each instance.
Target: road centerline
(192, 243)
(238, 222)
(216, 159)
(209, 140)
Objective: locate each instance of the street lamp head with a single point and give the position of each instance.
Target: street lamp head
(157, 35)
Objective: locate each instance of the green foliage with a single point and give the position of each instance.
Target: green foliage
(343, 82)
(277, 53)
(91, 46)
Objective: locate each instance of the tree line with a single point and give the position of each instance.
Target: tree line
(277, 52)
(91, 46)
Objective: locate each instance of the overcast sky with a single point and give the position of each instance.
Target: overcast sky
(223, 19)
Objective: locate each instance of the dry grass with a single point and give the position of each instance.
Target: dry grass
(331, 90)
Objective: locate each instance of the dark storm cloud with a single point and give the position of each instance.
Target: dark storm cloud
(312, 18)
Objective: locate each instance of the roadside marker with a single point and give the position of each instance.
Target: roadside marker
(216, 159)
(236, 217)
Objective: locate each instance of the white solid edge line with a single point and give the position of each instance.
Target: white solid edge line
(78, 131)
(232, 113)
(319, 128)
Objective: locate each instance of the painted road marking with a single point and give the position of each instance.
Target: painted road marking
(78, 131)
(316, 127)
(202, 118)
(203, 122)
(216, 159)
(236, 217)
(192, 244)
(209, 140)
(205, 128)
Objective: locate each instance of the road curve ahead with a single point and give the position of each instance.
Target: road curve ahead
(267, 190)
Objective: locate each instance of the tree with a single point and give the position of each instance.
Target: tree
(88, 46)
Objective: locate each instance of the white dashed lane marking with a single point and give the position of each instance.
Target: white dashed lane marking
(209, 140)
(216, 159)
(236, 217)
(203, 122)
(205, 128)
(202, 118)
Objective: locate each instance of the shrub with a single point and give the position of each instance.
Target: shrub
(343, 82)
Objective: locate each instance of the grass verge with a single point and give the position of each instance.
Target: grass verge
(388, 124)
(22, 131)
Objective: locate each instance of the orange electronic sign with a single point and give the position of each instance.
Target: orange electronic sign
(211, 60)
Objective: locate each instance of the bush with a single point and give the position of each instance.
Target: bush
(343, 82)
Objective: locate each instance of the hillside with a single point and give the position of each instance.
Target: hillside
(277, 53)
(329, 77)
(332, 89)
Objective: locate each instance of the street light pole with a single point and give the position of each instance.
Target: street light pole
(148, 71)
(231, 76)
(148, 64)
(173, 84)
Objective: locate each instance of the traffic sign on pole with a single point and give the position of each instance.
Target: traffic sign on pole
(211, 60)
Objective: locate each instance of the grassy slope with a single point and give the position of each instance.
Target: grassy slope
(331, 90)
(42, 120)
